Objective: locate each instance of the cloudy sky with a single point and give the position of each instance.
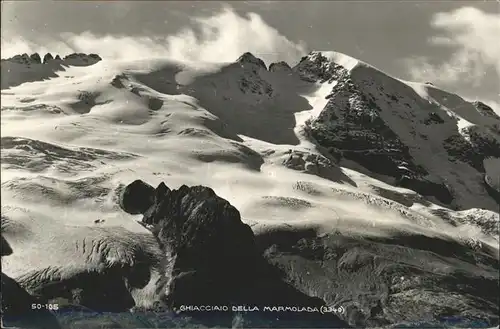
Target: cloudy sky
(453, 44)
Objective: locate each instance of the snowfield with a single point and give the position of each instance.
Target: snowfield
(73, 138)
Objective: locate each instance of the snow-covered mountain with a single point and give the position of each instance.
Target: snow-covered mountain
(25, 68)
(416, 135)
(366, 191)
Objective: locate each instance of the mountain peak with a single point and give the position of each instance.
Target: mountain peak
(48, 57)
(251, 59)
(280, 66)
(36, 58)
(316, 67)
(341, 59)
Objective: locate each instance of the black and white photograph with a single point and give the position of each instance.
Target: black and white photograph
(250, 164)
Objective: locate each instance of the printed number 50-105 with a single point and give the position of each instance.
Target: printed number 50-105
(52, 307)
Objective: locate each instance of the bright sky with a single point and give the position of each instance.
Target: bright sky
(453, 44)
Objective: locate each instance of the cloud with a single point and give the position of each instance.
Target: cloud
(222, 37)
(473, 36)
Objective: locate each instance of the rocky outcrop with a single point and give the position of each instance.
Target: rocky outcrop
(472, 146)
(81, 59)
(48, 57)
(213, 258)
(210, 247)
(20, 59)
(254, 84)
(137, 197)
(251, 81)
(280, 67)
(35, 58)
(318, 68)
(315, 164)
(433, 118)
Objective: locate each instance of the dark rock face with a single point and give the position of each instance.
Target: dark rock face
(95, 56)
(251, 82)
(81, 59)
(117, 81)
(317, 68)
(36, 58)
(203, 228)
(48, 57)
(137, 197)
(314, 164)
(280, 66)
(21, 59)
(427, 188)
(205, 236)
(479, 146)
(390, 282)
(206, 239)
(6, 249)
(213, 259)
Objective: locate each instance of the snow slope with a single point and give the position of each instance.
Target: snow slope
(70, 142)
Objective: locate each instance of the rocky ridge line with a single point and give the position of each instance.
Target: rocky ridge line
(47, 58)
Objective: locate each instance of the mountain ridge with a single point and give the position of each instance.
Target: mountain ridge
(19, 69)
(388, 126)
